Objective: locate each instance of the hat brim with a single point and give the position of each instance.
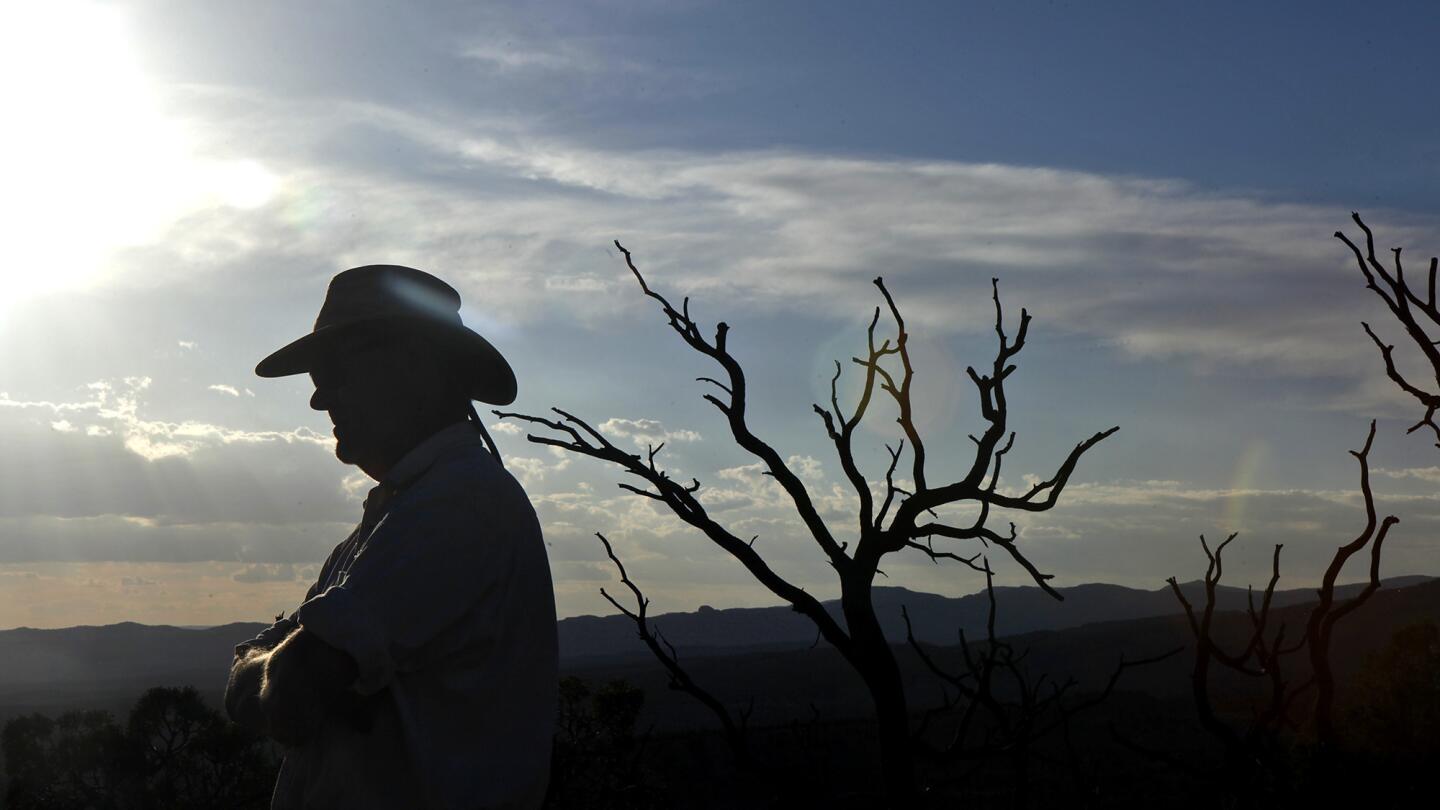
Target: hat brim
(492, 380)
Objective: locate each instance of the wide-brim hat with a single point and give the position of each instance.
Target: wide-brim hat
(392, 296)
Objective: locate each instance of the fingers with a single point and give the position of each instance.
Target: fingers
(303, 677)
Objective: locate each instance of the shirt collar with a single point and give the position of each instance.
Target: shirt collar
(420, 458)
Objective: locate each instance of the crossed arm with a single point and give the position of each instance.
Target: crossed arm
(284, 692)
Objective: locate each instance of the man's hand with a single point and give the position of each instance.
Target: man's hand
(242, 693)
(302, 678)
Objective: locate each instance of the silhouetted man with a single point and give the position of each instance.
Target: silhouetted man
(420, 671)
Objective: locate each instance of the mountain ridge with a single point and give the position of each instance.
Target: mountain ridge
(129, 651)
(108, 666)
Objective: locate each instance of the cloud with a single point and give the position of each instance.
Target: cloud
(531, 471)
(1152, 267)
(806, 468)
(528, 56)
(107, 458)
(114, 408)
(114, 538)
(225, 389)
(1426, 474)
(643, 432)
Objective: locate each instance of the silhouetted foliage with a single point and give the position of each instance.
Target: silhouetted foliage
(1394, 710)
(76, 761)
(597, 762)
(174, 752)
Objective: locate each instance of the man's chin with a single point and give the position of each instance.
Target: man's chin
(344, 451)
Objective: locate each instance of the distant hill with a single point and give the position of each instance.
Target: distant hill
(106, 667)
(793, 684)
(115, 652)
(936, 619)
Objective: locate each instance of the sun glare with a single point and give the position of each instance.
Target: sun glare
(90, 161)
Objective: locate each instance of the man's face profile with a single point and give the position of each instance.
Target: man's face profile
(374, 388)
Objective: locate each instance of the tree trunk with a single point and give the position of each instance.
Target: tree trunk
(876, 664)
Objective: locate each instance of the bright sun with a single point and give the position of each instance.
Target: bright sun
(90, 162)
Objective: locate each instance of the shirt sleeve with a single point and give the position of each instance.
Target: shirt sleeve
(285, 625)
(426, 565)
(270, 636)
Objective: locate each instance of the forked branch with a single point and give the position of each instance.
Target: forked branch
(979, 486)
(1418, 315)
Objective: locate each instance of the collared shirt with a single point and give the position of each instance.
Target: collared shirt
(443, 597)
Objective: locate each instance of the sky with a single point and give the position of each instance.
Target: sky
(1156, 183)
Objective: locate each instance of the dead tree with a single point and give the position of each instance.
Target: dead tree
(991, 720)
(1419, 316)
(1252, 752)
(894, 521)
(1256, 751)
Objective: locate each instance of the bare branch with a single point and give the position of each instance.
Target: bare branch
(588, 441)
(734, 411)
(664, 651)
(1321, 624)
(930, 551)
(901, 393)
(1405, 305)
(1006, 542)
(1053, 486)
(890, 489)
(844, 436)
(1039, 710)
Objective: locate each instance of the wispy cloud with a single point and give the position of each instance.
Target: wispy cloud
(1153, 267)
(645, 431)
(531, 470)
(1429, 475)
(510, 55)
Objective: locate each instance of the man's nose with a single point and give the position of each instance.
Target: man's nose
(320, 400)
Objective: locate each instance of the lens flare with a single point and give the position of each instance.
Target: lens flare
(1247, 473)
